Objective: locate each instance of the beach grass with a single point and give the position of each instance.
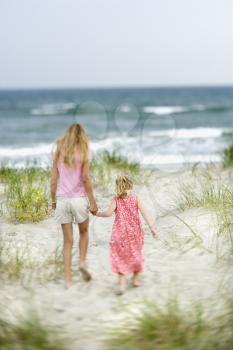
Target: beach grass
(212, 195)
(170, 327)
(29, 173)
(13, 260)
(206, 194)
(228, 156)
(221, 243)
(106, 165)
(53, 266)
(17, 263)
(31, 333)
(118, 161)
(224, 235)
(26, 193)
(215, 196)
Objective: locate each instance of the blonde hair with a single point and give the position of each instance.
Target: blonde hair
(73, 139)
(123, 184)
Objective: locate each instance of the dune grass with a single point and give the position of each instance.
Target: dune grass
(228, 156)
(29, 173)
(170, 328)
(17, 263)
(216, 196)
(14, 265)
(106, 165)
(221, 243)
(116, 160)
(53, 266)
(13, 260)
(26, 192)
(31, 333)
(206, 194)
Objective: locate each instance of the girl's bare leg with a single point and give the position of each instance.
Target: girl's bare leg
(67, 230)
(136, 281)
(121, 284)
(83, 245)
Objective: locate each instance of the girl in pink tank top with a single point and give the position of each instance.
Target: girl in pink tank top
(127, 234)
(72, 195)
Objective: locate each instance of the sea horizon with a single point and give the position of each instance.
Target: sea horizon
(116, 87)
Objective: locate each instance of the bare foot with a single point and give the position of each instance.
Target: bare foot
(85, 273)
(135, 281)
(120, 291)
(122, 286)
(136, 284)
(68, 284)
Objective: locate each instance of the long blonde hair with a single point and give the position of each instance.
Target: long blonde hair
(73, 139)
(123, 184)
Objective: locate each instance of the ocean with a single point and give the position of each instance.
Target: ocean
(154, 126)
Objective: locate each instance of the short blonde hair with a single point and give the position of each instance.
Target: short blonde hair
(124, 183)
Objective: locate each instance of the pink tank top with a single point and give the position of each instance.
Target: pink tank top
(70, 183)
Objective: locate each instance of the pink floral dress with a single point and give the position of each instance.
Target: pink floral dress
(127, 237)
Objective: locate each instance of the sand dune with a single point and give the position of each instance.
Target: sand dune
(177, 264)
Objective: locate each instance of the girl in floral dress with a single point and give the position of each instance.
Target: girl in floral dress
(127, 234)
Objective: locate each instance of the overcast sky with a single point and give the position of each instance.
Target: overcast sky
(84, 43)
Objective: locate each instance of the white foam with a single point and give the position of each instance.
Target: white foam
(199, 133)
(42, 149)
(190, 133)
(164, 110)
(168, 110)
(52, 109)
(159, 159)
(180, 142)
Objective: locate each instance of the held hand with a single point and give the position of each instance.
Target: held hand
(154, 233)
(93, 208)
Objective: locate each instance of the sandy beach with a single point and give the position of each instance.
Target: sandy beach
(103, 100)
(190, 261)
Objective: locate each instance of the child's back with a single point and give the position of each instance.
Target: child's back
(127, 237)
(127, 234)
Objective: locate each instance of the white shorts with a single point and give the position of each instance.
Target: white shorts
(69, 210)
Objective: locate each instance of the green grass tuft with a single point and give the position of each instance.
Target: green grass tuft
(216, 196)
(106, 164)
(205, 194)
(16, 263)
(170, 328)
(31, 333)
(228, 156)
(26, 193)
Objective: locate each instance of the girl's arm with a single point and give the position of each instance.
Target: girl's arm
(88, 187)
(147, 218)
(53, 183)
(108, 212)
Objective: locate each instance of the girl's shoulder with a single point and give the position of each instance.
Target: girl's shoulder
(133, 196)
(130, 197)
(115, 199)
